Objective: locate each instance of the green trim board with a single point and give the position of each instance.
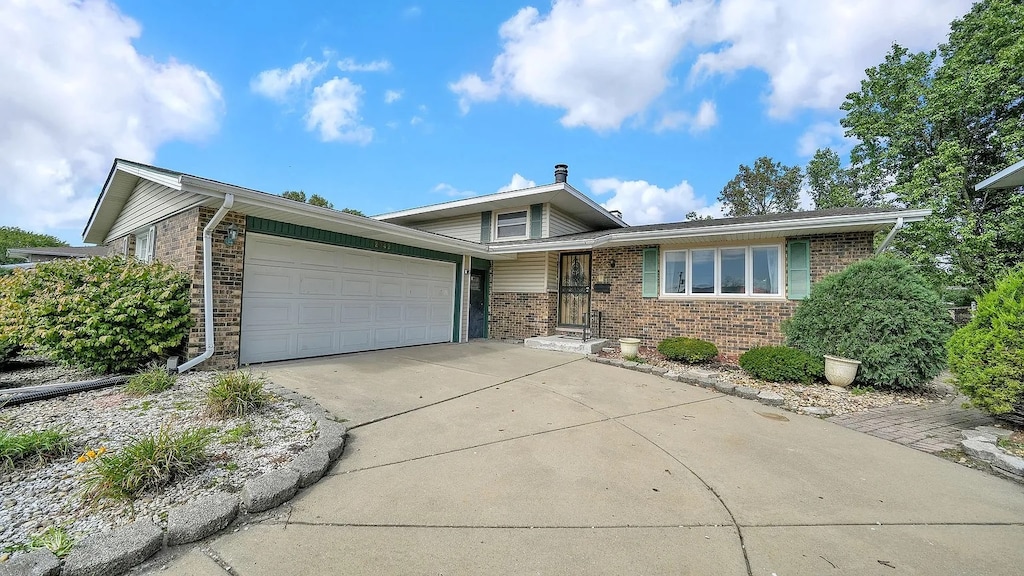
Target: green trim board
(485, 227)
(479, 264)
(286, 230)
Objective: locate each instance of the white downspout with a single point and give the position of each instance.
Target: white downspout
(229, 201)
(892, 234)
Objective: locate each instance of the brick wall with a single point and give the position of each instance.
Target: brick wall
(833, 252)
(227, 291)
(123, 246)
(518, 315)
(175, 241)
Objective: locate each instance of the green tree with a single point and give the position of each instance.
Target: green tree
(353, 211)
(692, 215)
(318, 200)
(769, 187)
(931, 125)
(12, 237)
(831, 186)
(297, 195)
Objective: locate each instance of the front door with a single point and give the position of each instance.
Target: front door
(478, 304)
(574, 289)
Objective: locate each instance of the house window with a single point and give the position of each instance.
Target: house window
(144, 244)
(511, 225)
(734, 271)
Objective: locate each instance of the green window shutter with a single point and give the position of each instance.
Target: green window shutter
(798, 269)
(650, 274)
(536, 220)
(485, 227)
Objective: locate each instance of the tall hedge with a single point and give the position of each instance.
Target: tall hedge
(987, 355)
(12, 315)
(881, 312)
(106, 314)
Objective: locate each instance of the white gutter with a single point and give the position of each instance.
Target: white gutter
(229, 201)
(892, 234)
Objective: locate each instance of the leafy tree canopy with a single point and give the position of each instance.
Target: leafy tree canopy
(353, 211)
(931, 125)
(12, 237)
(769, 187)
(831, 186)
(317, 200)
(297, 195)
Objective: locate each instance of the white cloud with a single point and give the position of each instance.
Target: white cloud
(412, 12)
(605, 61)
(705, 118)
(644, 203)
(518, 183)
(392, 96)
(75, 94)
(815, 51)
(334, 111)
(415, 120)
(278, 83)
(823, 135)
(602, 61)
(452, 191)
(350, 65)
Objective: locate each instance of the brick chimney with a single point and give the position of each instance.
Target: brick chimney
(561, 173)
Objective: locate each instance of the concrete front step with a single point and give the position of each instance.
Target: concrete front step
(561, 343)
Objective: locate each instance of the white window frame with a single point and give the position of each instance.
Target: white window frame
(526, 233)
(718, 294)
(146, 238)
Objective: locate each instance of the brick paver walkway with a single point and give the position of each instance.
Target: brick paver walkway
(932, 427)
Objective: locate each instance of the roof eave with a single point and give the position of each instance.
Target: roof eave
(625, 237)
(1010, 177)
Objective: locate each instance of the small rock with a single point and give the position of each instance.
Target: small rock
(659, 371)
(629, 364)
(40, 562)
(671, 375)
(608, 350)
(997, 432)
(725, 387)
(815, 411)
(644, 368)
(269, 490)
(979, 436)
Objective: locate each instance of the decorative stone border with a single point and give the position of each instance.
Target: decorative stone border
(119, 550)
(982, 443)
(704, 379)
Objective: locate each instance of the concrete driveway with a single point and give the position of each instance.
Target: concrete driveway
(488, 458)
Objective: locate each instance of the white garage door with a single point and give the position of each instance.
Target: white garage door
(303, 299)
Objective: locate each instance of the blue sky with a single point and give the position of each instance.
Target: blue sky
(388, 105)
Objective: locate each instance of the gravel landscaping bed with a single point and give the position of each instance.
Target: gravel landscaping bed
(798, 396)
(32, 370)
(35, 497)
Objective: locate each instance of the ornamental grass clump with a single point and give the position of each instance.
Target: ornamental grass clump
(145, 463)
(987, 355)
(150, 381)
(782, 364)
(33, 447)
(688, 350)
(237, 393)
(879, 311)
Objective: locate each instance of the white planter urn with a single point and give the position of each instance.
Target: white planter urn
(629, 346)
(840, 371)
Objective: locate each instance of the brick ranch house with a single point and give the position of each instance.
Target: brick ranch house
(277, 279)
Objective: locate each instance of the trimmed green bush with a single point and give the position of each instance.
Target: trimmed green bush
(105, 314)
(782, 364)
(12, 314)
(688, 350)
(881, 312)
(987, 355)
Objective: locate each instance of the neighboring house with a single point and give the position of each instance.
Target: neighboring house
(290, 280)
(57, 253)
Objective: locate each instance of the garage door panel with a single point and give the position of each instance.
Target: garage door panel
(302, 299)
(265, 312)
(357, 286)
(315, 343)
(268, 280)
(317, 285)
(389, 288)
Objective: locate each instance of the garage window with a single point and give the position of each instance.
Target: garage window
(511, 225)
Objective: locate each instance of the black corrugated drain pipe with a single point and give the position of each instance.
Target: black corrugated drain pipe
(15, 396)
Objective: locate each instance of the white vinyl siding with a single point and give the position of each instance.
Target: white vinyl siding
(150, 202)
(552, 271)
(462, 227)
(561, 223)
(527, 273)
